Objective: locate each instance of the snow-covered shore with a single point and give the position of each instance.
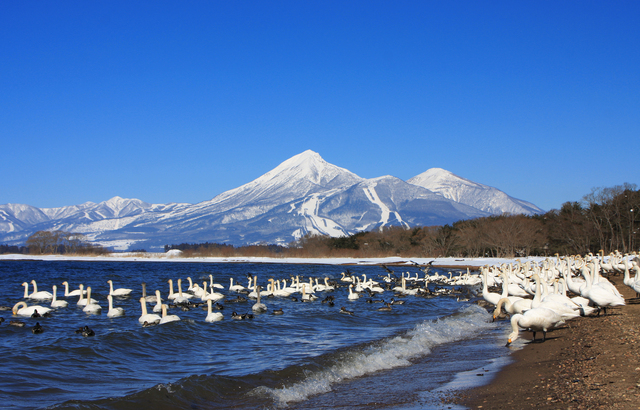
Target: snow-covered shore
(175, 257)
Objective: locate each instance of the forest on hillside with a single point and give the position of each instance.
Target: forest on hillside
(605, 220)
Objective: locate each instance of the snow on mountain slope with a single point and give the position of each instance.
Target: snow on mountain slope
(471, 193)
(302, 195)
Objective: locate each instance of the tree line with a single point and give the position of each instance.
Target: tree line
(59, 242)
(606, 219)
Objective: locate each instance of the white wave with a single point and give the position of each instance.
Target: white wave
(388, 354)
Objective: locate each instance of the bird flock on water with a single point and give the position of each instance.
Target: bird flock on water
(539, 296)
(213, 297)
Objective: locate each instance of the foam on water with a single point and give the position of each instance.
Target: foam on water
(386, 354)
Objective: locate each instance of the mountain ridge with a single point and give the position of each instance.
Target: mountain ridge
(303, 194)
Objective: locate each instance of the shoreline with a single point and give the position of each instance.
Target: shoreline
(591, 362)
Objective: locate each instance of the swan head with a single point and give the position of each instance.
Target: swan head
(16, 307)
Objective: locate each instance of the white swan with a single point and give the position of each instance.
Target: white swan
(352, 295)
(42, 295)
(214, 285)
(149, 298)
(167, 318)
(150, 318)
(519, 306)
(114, 312)
(55, 303)
(235, 288)
(259, 307)
(91, 307)
(73, 292)
(118, 292)
(599, 295)
(537, 320)
(211, 315)
(158, 307)
(214, 296)
(82, 301)
(28, 311)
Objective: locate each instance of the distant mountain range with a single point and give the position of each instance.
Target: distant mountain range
(304, 194)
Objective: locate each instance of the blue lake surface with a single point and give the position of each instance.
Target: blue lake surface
(311, 356)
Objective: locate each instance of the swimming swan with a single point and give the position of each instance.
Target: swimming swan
(42, 295)
(147, 317)
(28, 311)
(259, 307)
(82, 301)
(118, 292)
(167, 318)
(114, 312)
(55, 303)
(212, 316)
(158, 307)
(91, 307)
(72, 293)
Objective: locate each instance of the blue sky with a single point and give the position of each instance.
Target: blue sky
(181, 101)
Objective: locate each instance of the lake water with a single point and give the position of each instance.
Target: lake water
(311, 356)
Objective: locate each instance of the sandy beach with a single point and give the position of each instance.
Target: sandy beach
(591, 363)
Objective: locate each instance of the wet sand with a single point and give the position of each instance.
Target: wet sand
(593, 362)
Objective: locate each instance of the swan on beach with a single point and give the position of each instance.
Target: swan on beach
(536, 320)
(118, 292)
(150, 318)
(114, 312)
(28, 311)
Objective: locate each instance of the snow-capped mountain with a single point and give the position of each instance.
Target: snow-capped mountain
(471, 193)
(304, 194)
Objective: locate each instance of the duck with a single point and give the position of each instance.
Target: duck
(37, 328)
(93, 308)
(114, 312)
(87, 332)
(345, 311)
(76, 292)
(55, 303)
(150, 318)
(211, 315)
(16, 323)
(167, 318)
(385, 308)
(118, 292)
(277, 311)
(28, 311)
